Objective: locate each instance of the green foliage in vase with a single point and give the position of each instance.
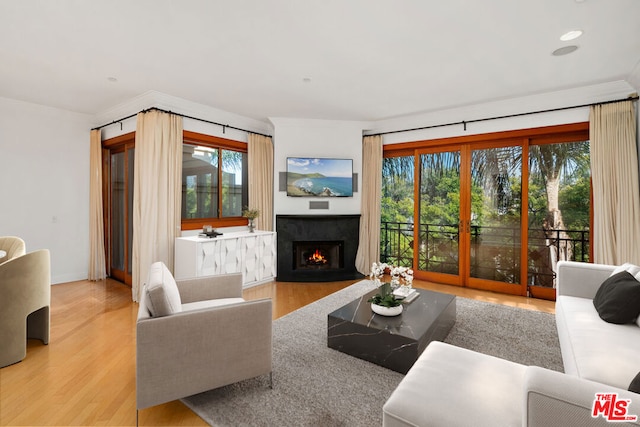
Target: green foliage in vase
(385, 298)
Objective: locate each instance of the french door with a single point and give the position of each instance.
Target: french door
(439, 215)
(494, 223)
(469, 216)
(119, 162)
(495, 211)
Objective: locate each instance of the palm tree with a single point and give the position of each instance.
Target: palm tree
(555, 161)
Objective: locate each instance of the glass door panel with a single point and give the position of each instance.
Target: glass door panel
(396, 211)
(495, 221)
(118, 212)
(439, 216)
(120, 208)
(558, 211)
(130, 162)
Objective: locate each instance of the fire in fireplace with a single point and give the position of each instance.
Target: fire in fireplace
(317, 258)
(318, 255)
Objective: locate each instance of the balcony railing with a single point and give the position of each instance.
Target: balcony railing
(495, 251)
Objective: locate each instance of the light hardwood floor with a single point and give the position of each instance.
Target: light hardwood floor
(86, 375)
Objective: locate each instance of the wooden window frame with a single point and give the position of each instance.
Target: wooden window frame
(210, 141)
(188, 137)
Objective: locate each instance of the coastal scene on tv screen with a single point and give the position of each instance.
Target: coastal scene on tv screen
(318, 177)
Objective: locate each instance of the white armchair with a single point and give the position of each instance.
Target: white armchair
(25, 297)
(11, 247)
(198, 334)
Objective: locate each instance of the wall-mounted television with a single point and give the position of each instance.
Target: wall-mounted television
(319, 177)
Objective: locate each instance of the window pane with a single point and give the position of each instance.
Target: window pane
(396, 233)
(199, 182)
(234, 188)
(438, 232)
(559, 199)
(496, 180)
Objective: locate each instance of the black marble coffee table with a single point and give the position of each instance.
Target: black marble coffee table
(392, 342)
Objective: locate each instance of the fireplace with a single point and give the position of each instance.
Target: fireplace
(318, 255)
(317, 248)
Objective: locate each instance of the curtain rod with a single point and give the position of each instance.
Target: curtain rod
(632, 97)
(224, 127)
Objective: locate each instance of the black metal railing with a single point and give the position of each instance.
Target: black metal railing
(495, 251)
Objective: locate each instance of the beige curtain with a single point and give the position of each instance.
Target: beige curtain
(157, 193)
(97, 265)
(369, 247)
(260, 160)
(616, 195)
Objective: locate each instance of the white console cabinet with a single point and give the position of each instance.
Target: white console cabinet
(253, 254)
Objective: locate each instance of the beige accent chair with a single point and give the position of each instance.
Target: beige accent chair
(25, 297)
(198, 334)
(12, 246)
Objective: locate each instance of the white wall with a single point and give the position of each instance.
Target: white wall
(316, 138)
(180, 106)
(44, 183)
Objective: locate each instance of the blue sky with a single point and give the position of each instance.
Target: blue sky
(328, 167)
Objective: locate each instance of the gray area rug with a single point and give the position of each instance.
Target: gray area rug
(314, 385)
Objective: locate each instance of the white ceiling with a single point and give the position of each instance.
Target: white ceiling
(367, 59)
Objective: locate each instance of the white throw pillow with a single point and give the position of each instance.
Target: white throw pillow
(161, 291)
(627, 266)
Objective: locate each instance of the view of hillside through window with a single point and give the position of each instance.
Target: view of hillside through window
(559, 208)
(557, 211)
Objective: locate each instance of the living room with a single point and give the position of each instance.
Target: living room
(45, 120)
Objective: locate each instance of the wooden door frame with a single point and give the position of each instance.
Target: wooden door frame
(123, 144)
(450, 279)
(492, 285)
(522, 137)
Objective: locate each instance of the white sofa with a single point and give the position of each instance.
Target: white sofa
(592, 348)
(450, 386)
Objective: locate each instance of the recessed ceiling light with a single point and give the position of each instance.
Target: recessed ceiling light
(564, 50)
(571, 35)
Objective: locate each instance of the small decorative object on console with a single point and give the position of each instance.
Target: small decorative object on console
(209, 231)
(251, 215)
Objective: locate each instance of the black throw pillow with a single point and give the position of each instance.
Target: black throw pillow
(635, 384)
(618, 299)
